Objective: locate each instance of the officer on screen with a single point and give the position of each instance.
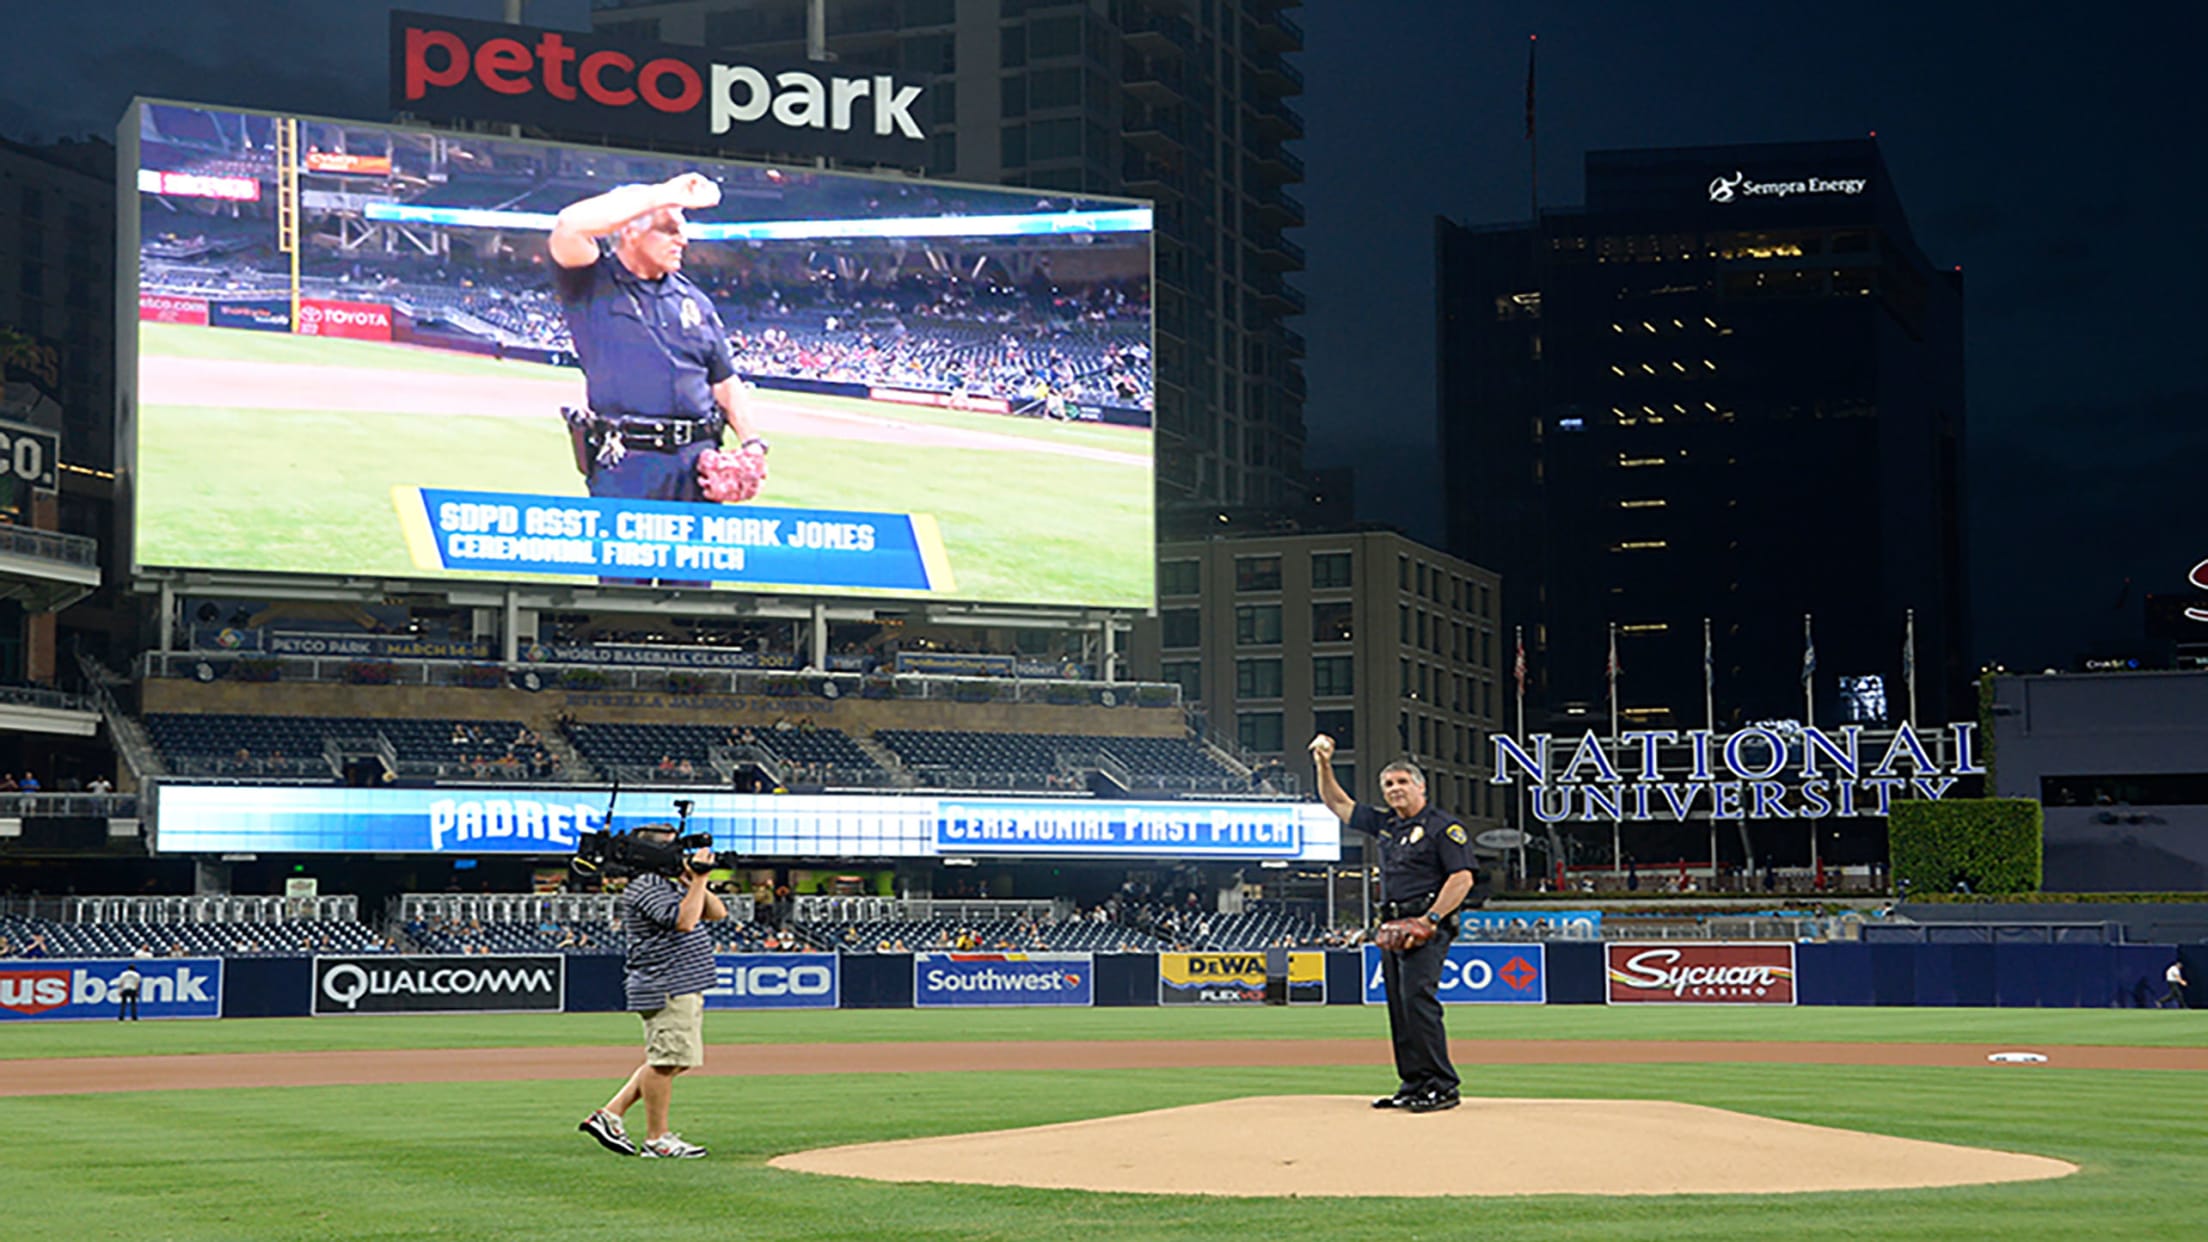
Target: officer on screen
(661, 378)
(1426, 873)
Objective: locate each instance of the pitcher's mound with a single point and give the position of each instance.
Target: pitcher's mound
(1339, 1145)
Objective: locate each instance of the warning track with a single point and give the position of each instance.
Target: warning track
(85, 1075)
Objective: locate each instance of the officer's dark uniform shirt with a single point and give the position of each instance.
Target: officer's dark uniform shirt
(649, 348)
(1417, 854)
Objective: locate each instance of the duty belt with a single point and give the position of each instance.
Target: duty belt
(1406, 909)
(662, 435)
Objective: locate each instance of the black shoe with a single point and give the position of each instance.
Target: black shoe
(1401, 1099)
(1432, 1101)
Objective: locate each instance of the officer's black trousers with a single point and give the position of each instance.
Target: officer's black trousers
(1414, 1016)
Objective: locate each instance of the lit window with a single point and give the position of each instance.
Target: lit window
(1615, 369)
(1641, 545)
(1646, 502)
(1633, 462)
(1645, 627)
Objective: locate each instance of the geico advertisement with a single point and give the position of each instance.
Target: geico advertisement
(169, 987)
(775, 981)
(456, 984)
(1236, 978)
(1477, 974)
(959, 980)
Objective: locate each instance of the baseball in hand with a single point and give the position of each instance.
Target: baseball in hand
(693, 192)
(1322, 748)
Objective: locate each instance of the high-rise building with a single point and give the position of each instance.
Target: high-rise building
(1728, 387)
(1183, 102)
(1387, 645)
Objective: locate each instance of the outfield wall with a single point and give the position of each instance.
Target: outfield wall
(2018, 976)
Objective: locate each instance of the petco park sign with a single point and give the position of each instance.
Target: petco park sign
(1725, 189)
(585, 84)
(1762, 772)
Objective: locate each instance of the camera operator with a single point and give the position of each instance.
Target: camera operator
(670, 967)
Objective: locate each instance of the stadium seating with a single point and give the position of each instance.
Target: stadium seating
(1163, 762)
(242, 745)
(824, 752)
(192, 939)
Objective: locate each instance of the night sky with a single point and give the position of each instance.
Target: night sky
(2056, 155)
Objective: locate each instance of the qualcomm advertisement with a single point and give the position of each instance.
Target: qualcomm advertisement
(776, 981)
(1477, 974)
(207, 819)
(968, 980)
(170, 987)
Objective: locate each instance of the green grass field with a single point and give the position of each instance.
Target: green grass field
(308, 490)
(501, 1160)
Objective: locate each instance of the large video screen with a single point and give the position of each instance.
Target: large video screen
(369, 350)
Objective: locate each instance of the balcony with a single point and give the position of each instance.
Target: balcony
(46, 571)
(1157, 83)
(1280, 34)
(1159, 36)
(1281, 298)
(1278, 252)
(1276, 163)
(1276, 120)
(1292, 340)
(1146, 178)
(1156, 131)
(1278, 76)
(1281, 208)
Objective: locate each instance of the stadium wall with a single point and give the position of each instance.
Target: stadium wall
(2010, 976)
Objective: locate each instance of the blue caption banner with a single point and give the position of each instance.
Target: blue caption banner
(969, 980)
(776, 981)
(1574, 924)
(43, 990)
(1477, 974)
(1255, 830)
(584, 536)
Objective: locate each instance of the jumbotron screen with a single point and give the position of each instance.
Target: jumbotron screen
(365, 350)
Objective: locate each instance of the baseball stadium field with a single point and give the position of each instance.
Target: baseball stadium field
(463, 1127)
(278, 453)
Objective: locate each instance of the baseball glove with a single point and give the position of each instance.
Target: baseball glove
(731, 477)
(1403, 935)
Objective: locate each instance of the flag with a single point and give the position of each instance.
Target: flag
(1909, 662)
(1518, 669)
(1532, 43)
(1809, 653)
(1615, 668)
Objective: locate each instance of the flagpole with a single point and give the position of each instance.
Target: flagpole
(1518, 672)
(1617, 842)
(1909, 665)
(1709, 718)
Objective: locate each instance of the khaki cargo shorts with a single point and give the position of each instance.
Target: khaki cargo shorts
(674, 1033)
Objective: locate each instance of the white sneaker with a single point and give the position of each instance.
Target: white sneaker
(606, 1128)
(669, 1146)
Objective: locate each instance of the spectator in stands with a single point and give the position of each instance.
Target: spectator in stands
(670, 966)
(34, 947)
(142, 951)
(6, 949)
(8, 784)
(101, 785)
(176, 948)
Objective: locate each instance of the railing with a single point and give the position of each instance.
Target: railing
(532, 909)
(214, 908)
(40, 696)
(68, 806)
(627, 679)
(50, 545)
(827, 909)
(216, 767)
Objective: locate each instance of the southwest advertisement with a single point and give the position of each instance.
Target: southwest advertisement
(975, 980)
(369, 350)
(54, 989)
(1236, 978)
(1477, 974)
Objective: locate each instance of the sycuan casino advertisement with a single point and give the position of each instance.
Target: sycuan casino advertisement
(368, 350)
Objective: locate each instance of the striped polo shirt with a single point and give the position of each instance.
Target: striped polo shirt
(663, 962)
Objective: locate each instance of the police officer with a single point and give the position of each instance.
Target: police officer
(661, 378)
(1425, 874)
